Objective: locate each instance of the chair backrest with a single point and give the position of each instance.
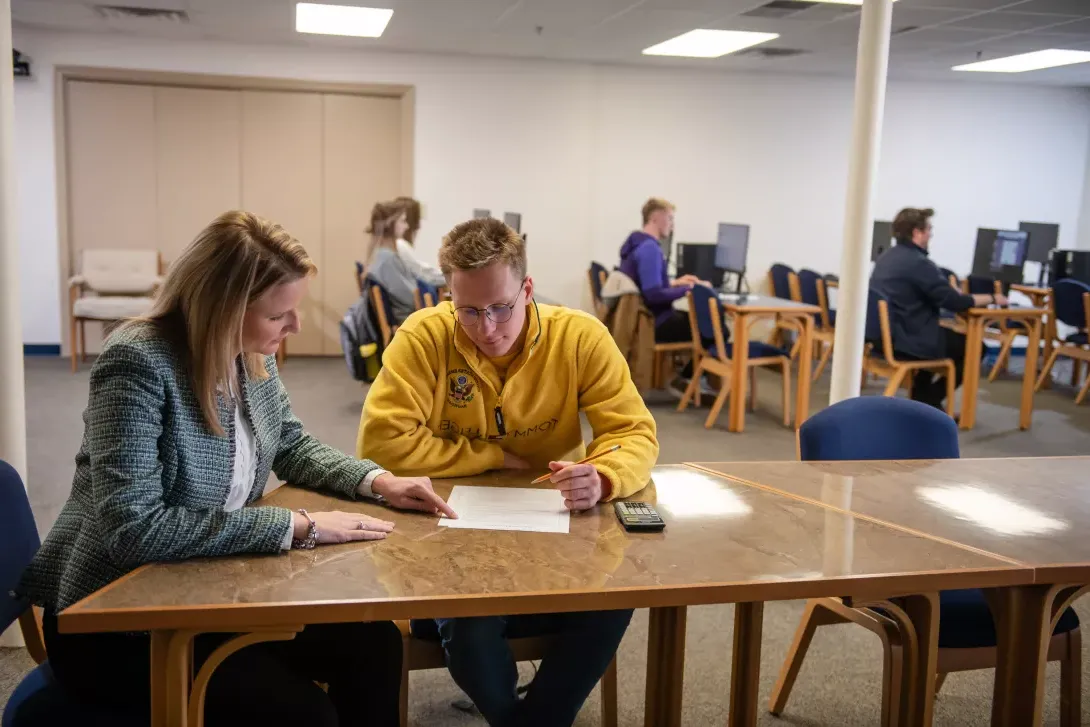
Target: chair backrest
(811, 286)
(597, 275)
(382, 310)
(878, 427)
(1068, 296)
(120, 272)
(700, 305)
(429, 294)
(359, 276)
(779, 276)
(982, 285)
(18, 542)
(872, 329)
(950, 275)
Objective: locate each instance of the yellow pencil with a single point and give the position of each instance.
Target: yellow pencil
(603, 453)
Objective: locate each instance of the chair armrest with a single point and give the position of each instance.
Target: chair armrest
(77, 280)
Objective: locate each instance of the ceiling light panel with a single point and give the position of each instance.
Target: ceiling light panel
(705, 43)
(1023, 62)
(341, 20)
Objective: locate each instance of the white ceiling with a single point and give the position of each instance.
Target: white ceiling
(930, 36)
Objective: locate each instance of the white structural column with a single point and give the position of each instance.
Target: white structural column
(12, 398)
(870, 98)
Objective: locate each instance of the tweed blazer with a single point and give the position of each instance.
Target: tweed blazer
(152, 479)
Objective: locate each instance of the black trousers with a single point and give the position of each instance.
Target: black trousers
(272, 683)
(930, 388)
(676, 329)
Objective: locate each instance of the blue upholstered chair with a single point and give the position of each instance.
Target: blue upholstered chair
(596, 278)
(880, 359)
(783, 284)
(425, 295)
(812, 291)
(359, 276)
(884, 428)
(706, 323)
(382, 310)
(38, 701)
(1071, 306)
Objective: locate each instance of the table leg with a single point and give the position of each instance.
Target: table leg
(665, 667)
(806, 357)
(738, 374)
(1029, 376)
(971, 378)
(171, 671)
(1050, 337)
(918, 679)
(1023, 616)
(745, 672)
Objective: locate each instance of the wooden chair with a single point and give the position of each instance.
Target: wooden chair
(419, 654)
(113, 285)
(811, 288)
(706, 323)
(383, 313)
(784, 284)
(881, 428)
(424, 296)
(359, 276)
(662, 356)
(1070, 304)
(879, 359)
(596, 278)
(1004, 331)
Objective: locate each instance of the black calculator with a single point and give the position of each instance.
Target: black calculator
(639, 517)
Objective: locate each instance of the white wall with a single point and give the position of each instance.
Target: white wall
(577, 148)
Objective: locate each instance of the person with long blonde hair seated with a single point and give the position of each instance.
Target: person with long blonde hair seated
(186, 418)
(385, 265)
(406, 245)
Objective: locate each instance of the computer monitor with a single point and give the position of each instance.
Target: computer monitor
(881, 238)
(1044, 237)
(982, 253)
(479, 214)
(1009, 250)
(513, 220)
(699, 259)
(732, 247)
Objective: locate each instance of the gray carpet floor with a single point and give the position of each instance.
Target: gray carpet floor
(839, 684)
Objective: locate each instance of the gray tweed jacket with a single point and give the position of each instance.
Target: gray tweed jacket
(151, 478)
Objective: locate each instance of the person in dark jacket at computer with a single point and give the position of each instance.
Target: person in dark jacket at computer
(642, 260)
(917, 290)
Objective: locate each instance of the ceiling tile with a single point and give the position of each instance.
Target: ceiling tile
(1079, 27)
(946, 35)
(69, 15)
(923, 17)
(1057, 7)
(968, 4)
(561, 16)
(1011, 22)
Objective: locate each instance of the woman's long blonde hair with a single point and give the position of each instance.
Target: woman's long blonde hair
(384, 216)
(202, 302)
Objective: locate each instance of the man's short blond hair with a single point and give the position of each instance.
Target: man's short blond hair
(653, 205)
(479, 243)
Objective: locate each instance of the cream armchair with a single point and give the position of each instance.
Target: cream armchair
(112, 286)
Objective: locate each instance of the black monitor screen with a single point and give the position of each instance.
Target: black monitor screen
(1009, 250)
(480, 214)
(732, 247)
(881, 238)
(513, 220)
(699, 259)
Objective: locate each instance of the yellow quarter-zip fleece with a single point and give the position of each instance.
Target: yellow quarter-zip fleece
(432, 409)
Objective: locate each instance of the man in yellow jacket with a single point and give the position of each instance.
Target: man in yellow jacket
(493, 380)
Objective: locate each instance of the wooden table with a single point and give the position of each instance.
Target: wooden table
(977, 320)
(745, 309)
(1032, 512)
(725, 542)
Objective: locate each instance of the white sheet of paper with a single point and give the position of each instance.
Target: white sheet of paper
(507, 508)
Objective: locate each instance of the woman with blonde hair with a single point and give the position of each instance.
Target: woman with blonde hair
(185, 419)
(385, 267)
(406, 246)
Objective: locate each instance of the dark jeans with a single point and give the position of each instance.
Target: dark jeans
(930, 388)
(481, 663)
(270, 683)
(676, 329)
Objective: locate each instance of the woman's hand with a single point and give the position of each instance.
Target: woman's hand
(340, 527)
(411, 493)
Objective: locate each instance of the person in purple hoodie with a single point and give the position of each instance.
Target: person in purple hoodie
(643, 261)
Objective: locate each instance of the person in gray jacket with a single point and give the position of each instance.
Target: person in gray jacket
(185, 418)
(385, 266)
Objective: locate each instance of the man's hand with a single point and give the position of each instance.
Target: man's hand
(685, 281)
(411, 493)
(580, 484)
(514, 462)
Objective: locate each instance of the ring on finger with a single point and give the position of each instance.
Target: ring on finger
(361, 525)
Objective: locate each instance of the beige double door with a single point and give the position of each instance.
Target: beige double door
(149, 166)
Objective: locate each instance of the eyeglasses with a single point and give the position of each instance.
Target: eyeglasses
(469, 316)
